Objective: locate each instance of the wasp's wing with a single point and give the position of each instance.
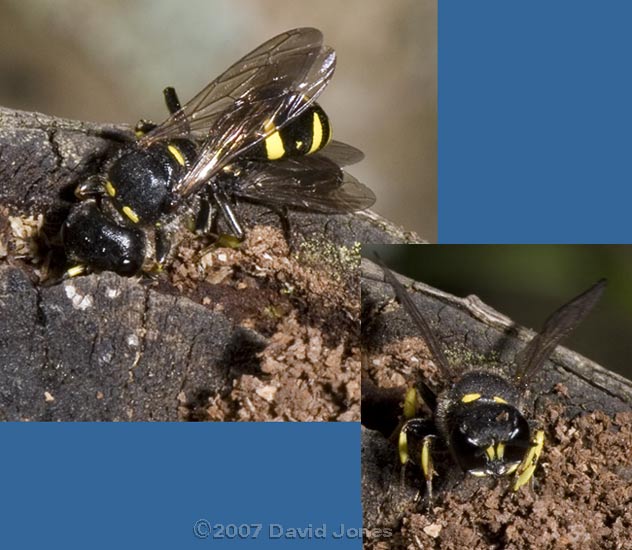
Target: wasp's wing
(313, 183)
(342, 154)
(407, 303)
(257, 95)
(198, 116)
(556, 327)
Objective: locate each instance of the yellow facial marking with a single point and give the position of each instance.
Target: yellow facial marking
(500, 450)
(410, 403)
(109, 189)
(499, 400)
(469, 397)
(490, 452)
(402, 446)
(317, 134)
(130, 214)
(176, 154)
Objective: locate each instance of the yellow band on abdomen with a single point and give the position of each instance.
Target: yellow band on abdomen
(317, 134)
(274, 146)
(273, 143)
(176, 154)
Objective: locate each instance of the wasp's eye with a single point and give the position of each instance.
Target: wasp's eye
(466, 448)
(518, 442)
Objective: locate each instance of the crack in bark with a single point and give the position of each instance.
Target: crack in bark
(143, 338)
(40, 321)
(51, 135)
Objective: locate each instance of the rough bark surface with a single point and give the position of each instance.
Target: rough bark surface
(584, 409)
(107, 348)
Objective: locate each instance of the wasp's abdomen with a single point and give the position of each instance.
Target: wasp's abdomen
(306, 134)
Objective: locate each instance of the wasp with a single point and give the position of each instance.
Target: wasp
(479, 416)
(255, 133)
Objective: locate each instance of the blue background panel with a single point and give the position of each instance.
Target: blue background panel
(146, 485)
(535, 122)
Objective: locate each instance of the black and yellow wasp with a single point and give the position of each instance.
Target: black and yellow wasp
(254, 133)
(479, 416)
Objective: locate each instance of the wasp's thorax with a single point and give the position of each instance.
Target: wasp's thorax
(104, 231)
(480, 419)
(139, 181)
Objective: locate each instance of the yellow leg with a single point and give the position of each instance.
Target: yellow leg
(526, 468)
(75, 271)
(411, 403)
(427, 466)
(402, 446)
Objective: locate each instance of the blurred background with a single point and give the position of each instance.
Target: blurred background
(109, 61)
(528, 282)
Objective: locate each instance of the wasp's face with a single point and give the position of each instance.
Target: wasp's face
(489, 439)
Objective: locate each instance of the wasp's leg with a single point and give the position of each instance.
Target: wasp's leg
(284, 217)
(162, 244)
(412, 402)
(205, 221)
(75, 271)
(175, 108)
(525, 470)
(427, 466)
(171, 99)
(94, 187)
(418, 428)
(144, 126)
(223, 202)
(283, 213)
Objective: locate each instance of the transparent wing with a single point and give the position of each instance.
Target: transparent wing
(342, 154)
(314, 183)
(260, 93)
(424, 328)
(273, 58)
(556, 327)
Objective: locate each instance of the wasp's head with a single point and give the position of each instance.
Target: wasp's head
(92, 238)
(489, 439)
